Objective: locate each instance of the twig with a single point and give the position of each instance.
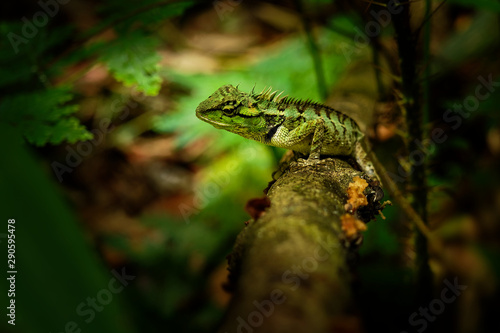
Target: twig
(426, 58)
(376, 71)
(315, 53)
(428, 15)
(411, 90)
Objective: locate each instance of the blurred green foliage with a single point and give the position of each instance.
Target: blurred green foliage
(57, 269)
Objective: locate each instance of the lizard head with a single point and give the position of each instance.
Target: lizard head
(235, 111)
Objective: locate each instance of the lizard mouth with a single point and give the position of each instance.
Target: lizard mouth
(212, 122)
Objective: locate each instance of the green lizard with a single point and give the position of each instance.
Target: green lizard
(306, 127)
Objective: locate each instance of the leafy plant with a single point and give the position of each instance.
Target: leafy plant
(38, 104)
(133, 60)
(44, 116)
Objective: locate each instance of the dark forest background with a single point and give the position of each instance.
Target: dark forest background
(126, 205)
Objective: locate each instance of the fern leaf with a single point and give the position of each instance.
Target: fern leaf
(43, 116)
(133, 60)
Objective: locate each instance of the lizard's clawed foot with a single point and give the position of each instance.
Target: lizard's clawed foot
(317, 164)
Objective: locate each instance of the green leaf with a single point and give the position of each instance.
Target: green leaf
(42, 116)
(133, 60)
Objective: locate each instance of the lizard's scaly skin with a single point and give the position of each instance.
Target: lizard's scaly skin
(302, 126)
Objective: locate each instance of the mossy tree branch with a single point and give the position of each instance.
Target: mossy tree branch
(289, 268)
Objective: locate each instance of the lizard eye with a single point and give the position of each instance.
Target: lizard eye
(229, 107)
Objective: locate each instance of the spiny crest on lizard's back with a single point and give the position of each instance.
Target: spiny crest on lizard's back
(268, 95)
(285, 101)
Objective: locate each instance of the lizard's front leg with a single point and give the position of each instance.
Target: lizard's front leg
(299, 138)
(317, 140)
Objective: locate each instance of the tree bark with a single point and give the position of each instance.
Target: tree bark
(290, 266)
